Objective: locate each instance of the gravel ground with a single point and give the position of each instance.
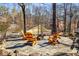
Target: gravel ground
(41, 49)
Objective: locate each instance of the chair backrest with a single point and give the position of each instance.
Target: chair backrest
(56, 35)
(29, 35)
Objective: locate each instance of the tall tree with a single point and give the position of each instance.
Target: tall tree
(65, 22)
(71, 15)
(14, 13)
(3, 11)
(22, 5)
(54, 21)
(4, 24)
(37, 16)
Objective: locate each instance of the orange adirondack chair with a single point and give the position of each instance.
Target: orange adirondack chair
(30, 38)
(53, 39)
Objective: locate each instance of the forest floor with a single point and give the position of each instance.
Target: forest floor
(41, 49)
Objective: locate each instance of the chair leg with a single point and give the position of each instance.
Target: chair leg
(33, 43)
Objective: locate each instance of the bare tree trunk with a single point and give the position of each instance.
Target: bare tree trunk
(38, 29)
(65, 22)
(54, 22)
(23, 9)
(22, 5)
(70, 19)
